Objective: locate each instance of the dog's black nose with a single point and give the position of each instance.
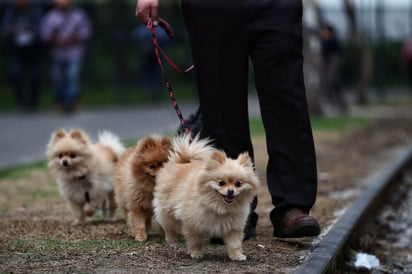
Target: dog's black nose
(65, 163)
(230, 192)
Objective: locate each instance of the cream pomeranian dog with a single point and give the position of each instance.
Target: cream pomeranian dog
(134, 182)
(84, 171)
(201, 192)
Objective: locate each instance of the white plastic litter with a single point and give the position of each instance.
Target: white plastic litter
(366, 261)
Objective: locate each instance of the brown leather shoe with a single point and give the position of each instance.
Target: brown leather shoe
(295, 223)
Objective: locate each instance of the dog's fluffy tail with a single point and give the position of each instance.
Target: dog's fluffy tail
(185, 150)
(110, 140)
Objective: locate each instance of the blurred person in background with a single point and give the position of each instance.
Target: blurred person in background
(331, 79)
(66, 29)
(21, 26)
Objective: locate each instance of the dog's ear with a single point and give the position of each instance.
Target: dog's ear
(244, 160)
(79, 136)
(219, 156)
(166, 143)
(145, 143)
(57, 135)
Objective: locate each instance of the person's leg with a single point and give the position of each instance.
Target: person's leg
(16, 75)
(220, 56)
(33, 97)
(72, 83)
(276, 52)
(57, 80)
(219, 50)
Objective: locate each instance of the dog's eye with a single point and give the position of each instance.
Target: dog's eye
(222, 183)
(152, 166)
(60, 155)
(72, 155)
(238, 184)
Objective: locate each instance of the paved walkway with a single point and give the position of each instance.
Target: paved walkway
(23, 138)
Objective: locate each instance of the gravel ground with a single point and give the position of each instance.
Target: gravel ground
(36, 236)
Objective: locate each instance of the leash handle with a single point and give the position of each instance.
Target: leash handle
(166, 27)
(157, 50)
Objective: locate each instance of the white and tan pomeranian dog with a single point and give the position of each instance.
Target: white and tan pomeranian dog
(201, 192)
(84, 171)
(134, 182)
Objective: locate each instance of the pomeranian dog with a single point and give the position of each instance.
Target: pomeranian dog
(201, 192)
(134, 181)
(84, 171)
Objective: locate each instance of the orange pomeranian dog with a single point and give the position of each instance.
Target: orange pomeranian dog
(84, 171)
(135, 179)
(201, 192)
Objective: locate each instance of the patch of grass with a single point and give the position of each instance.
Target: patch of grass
(94, 96)
(21, 171)
(19, 243)
(318, 124)
(52, 243)
(40, 194)
(36, 245)
(107, 243)
(4, 211)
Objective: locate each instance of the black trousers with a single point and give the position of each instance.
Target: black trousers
(224, 35)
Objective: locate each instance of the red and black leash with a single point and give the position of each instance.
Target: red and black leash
(158, 51)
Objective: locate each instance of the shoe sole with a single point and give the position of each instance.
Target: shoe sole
(303, 230)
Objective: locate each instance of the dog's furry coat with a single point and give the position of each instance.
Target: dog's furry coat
(201, 192)
(84, 171)
(135, 179)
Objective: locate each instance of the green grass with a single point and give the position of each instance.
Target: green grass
(36, 245)
(21, 171)
(4, 211)
(318, 124)
(104, 96)
(40, 194)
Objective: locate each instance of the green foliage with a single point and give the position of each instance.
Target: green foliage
(387, 66)
(95, 96)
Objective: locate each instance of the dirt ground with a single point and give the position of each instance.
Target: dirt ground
(36, 236)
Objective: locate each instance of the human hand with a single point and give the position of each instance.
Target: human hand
(146, 9)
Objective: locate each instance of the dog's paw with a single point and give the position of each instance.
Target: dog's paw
(141, 236)
(237, 257)
(174, 245)
(77, 223)
(196, 255)
(88, 210)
